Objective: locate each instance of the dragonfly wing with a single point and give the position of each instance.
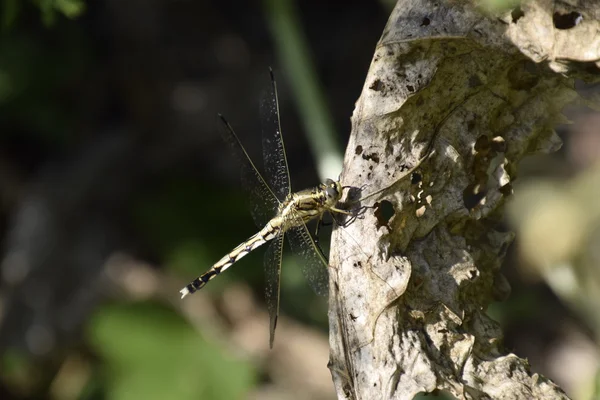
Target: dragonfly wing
(263, 201)
(314, 263)
(274, 156)
(273, 258)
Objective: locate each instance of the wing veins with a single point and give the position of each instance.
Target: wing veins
(273, 260)
(303, 244)
(274, 154)
(262, 194)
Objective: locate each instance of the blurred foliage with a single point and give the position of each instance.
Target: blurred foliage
(494, 6)
(150, 352)
(174, 221)
(49, 10)
(568, 261)
(33, 98)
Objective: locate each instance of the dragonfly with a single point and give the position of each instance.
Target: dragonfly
(277, 211)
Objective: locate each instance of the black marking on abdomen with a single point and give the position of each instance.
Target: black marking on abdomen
(203, 279)
(230, 259)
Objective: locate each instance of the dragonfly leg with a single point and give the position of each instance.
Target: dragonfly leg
(319, 224)
(339, 211)
(355, 214)
(345, 223)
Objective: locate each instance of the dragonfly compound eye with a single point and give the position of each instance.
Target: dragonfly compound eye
(331, 192)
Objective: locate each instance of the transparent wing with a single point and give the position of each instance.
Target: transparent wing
(275, 159)
(263, 202)
(314, 263)
(273, 274)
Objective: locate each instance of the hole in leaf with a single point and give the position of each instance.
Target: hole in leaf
(472, 196)
(384, 211)
(566, 21)
(517, 14)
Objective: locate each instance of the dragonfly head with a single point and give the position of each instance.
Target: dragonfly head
(332, 190)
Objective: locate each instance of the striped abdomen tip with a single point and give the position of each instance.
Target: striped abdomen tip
(184, 292)
(195, 285)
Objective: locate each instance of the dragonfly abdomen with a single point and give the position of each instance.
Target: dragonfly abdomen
(272, 229)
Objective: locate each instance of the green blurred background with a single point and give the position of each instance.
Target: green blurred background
(116, 190)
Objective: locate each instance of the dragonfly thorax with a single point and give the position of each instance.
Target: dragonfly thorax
(311, 203)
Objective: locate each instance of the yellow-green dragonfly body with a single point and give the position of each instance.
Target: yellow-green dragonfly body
(294, 212)
(277, 211)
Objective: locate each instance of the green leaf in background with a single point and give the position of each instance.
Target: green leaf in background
(149, 352)
(48, 8)
(499, 5)
(69, 8)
